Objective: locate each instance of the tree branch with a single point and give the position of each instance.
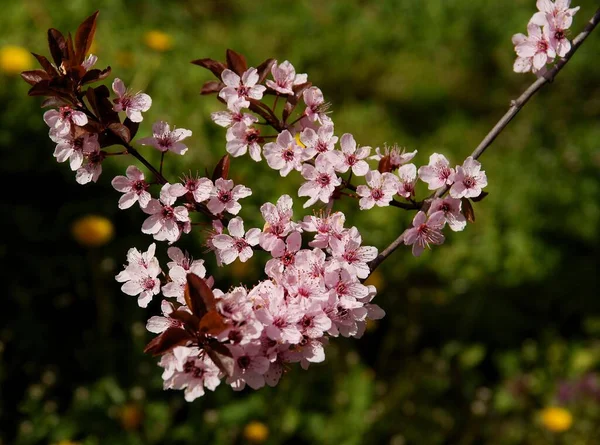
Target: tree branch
(515, 107)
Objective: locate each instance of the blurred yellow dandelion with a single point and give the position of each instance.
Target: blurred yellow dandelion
(256, 432)
(92, 230)
(158, 40)
(556, 419)
(14, 59)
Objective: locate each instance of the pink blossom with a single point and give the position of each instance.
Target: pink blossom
(158, 324)
(326, 225)
(249, 367)
(536, 45)
(179, 258)
(349, 253)
(164, 139)
(285, 78)
(92, 165)
(469, 179)
(558, 34)
(284, 253)
(425, 231)
(352, 156)
(278, 221)
(132, 104)
(283, 155)
(89, 62)
(311, 263)
(451, 207)
(229, 247)
(314, 323)
(224, 197)
(241, 139)
(61, 121)
(315, 104)
(408, 178)
(164, 217)
(178, 276)
(345, 314)
(134, 188)
(522, 64)
(193, 372)
(199, 188)
(552, 12)
(321, 181)
(241, 89)
(343, 284)
(380, 190)
(140, 275)
(75, 149)
(229, 118)
(317, 142)
(244, 328)
(280, 318)
(437, 173)
(396, 156)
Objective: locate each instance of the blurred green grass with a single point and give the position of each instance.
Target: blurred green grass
(442, 366)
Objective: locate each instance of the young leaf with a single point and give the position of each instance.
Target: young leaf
(221, 169)
(35, 76)
(166, 341)
(212, 323)
(467, 210)
(198, 296)
(211, 86)
(58, 46)
(46, 64)
(84, 37)
(215, 67)
(264, 69)
(236, 62)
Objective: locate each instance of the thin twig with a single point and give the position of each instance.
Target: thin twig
(515, 107)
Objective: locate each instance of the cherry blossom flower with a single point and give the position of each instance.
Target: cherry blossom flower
(392, 157)
(164, 139)
(317, 142)
(193, 372)
(315, 105)
(558, 34)
(425, 231)
(284, 253)
(437, 173)
(278, 221)
(224, 197)
(315, 322)
(61, 121)
(283, 155)
(134, 188)
(132, 104)
(280, 318)
(326, 225)
(535, 45)
(352, 157)
(236, 244)
(408, 178)
(158, 324)
(343, 284)
(199, 188)
(452, 212)
(349, 253)
(164, 217)
(321, 181)
(89, 62)
(249, 367)
(179, 258)
(380, 190)
(92, 165)
(241, 139)
(550, 12)
(75, 149)
(285, 78)
(178, 276)
(239, 89)
(469, 179)
(140, 275)
(233, 116)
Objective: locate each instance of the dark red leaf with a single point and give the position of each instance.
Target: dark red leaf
(103, 108)
(166, 341)
(133, 127)
(221, 169)
(121, 131)
(52, 102)
(385, 165)
(236, 62)
(71, 51)
(212, 86)
(198, 296)
(35, 76)
(481, 196)
(95, 75)
(58, 46)
(40, 89)
(214, 66)
(189, 320)
(264, 69)
(212, 323)
(223, 362)
(467, 210)
(84, 37)
(46, 64)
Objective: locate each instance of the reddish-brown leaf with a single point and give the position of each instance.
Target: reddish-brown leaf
(212, 323)
(52, 102)
(71, 51)
(214, 66)
(224, 363)
(385, 165)
(133, 127)
(35, 76)
(84, 37)
(481, 196)
(166, 341)
(46, 64)
(121, 131)
(198, 296)
(236, 62)
(40, 89)
(58, 46)
(189, 320)
(221, 169)
(95, 75)
(212, 86)
(264, 69)
(467, 210)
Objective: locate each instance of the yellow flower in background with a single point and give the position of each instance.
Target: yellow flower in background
(14, 59)
(131, 416)
(158, 40)
(67, 442)
(298, 141)
(256, 432)
(92, 230)
(556, 419)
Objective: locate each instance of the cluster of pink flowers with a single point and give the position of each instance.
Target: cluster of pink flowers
(547, 36)
(310, 294)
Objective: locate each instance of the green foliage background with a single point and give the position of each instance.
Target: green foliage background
(479, 333)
